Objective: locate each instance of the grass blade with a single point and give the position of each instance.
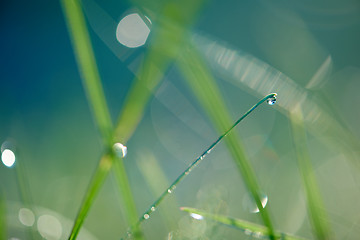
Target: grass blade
(246, 226)
(94, 187)
(258, 78)
(204, 87)
(92, 83)
(195, 163)
(87, 66)
(315, 204)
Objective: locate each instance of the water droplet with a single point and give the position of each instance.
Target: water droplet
(196, 216)
(153, 209)
(120, 150)
(169, 190)
(271, 100)
(146, 216)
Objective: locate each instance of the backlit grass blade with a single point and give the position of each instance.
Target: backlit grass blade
(194, 164)
(169, 31)
(315, 204)
(258, 78)
(126, 194)
(87, 66)
(94, 187)
(92, 83)
(204, 88)
(248, 227)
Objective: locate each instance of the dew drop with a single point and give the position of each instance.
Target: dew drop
(146, 216)
(169, 190)
(153, 209)
(271, 100)
(196, 216)
(120, 150)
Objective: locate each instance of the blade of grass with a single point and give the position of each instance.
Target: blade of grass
(195, 163)
(204, 87)
(315, 204)
(87, 66)
(92, 83)
(168, 39)
(94, 187)
(258, 78)
(246, 226)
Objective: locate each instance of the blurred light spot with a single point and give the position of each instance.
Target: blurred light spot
(250, 204)
(196, 216)
(132, 31)
(8, 157)
(26, 217)
(49, 227)
(146, 216)
(120, 150)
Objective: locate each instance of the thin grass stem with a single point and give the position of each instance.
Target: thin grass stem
(204, 86)
(249, 228)
(195, 163)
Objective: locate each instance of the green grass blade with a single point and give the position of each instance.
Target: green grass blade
(87, 66)
(125, 191)
(240, 224)
(92, 84)
(315, 204)
(204, 87)
(168, 39)
(94, 187)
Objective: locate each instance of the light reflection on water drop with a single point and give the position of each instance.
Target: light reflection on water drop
(272, 100)
(8, 158)
(146, 216)
(250, 204)
(153, 209)
(196, 216)
(120, 150)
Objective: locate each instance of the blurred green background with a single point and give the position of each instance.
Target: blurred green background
(46, 118)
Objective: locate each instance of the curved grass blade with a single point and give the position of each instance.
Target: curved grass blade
(204, 87)
(247, 227)
(194, 164)
(257, 77)
(315, 203)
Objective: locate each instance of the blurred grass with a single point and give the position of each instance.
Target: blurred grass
(205, 89)
(92, 84)
(315, 203)
(247, 227)
(156, 180)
